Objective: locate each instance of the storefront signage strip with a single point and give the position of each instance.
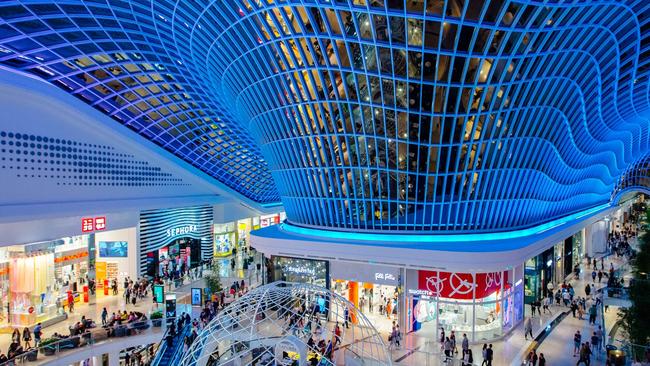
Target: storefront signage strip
(70, 257)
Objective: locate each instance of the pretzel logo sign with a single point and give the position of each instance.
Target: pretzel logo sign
(460, 285)
(493, 279)
(435, 284)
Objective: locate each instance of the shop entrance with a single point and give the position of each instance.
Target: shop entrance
(178, 256)
(379, 303)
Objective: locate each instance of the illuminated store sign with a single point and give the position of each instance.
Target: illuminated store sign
(364, 272)
(459, 285)
(385, 276)
(90, 224)
(182, 230)
(299, 270)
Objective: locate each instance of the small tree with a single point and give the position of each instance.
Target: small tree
(213, 279)
(636, 318)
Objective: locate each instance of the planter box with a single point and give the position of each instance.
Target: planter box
(31, 355)
(156, 322)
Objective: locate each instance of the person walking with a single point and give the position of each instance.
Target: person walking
(27, 338)
(448, 349)
(464, 343)
(70, 302)
(585, 355)
(528, 328)
(593, 311)
(531, 359)
(484, 354)
(577, 338)
(490, 355)
(104, 316)
(37, 335)
(15, 336)
(541, 361)
(452, 338)
(468, 358)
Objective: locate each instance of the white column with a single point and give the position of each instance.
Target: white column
(596, 238)
(114, 359)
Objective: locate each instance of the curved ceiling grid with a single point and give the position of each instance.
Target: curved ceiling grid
(440, 115)
(427, 115)
(117, 57)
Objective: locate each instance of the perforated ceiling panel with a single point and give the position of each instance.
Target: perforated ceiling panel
(75, 163)
(424, 115)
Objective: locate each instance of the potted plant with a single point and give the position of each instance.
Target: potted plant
(213, 279)
(156, 318)
(31, 354)
(47, 347)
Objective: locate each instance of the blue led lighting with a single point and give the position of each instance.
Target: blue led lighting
(437, 238)
(452, 116)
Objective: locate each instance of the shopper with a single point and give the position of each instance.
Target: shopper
(37, 334)
(468, 358)
(528, 328)
(531, 359)
(15, 336)
(585, 355)
(70, 302)
(577, 338)
(448, 348)
(541, 361)
(452, 338)
(27, 338)
(484, 354)
(104, 316)
(464, 343)
(490, 355)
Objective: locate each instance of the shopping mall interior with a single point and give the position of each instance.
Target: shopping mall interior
(324, 182)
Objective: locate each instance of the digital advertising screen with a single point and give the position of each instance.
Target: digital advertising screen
(113, 249)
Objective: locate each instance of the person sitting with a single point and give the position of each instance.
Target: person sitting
(14, 350)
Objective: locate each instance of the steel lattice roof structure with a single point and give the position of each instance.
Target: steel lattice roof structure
(257, 328)
(395, 115)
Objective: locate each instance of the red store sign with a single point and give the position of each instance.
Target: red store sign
(90, 224)
(462, 286)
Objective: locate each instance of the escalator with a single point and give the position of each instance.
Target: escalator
(170, 354)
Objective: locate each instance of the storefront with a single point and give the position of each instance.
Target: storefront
(270, 220)
(42, 276)
(373, 289)
(225, 238)
(485, 306)
(115, 256)
(175, 239)
(578, 247)
(299, 270)
(539, 271)
(235, 235)
(178, 255)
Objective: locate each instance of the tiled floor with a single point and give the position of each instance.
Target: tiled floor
(558, 346)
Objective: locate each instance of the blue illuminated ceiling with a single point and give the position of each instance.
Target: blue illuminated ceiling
(425, 115)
